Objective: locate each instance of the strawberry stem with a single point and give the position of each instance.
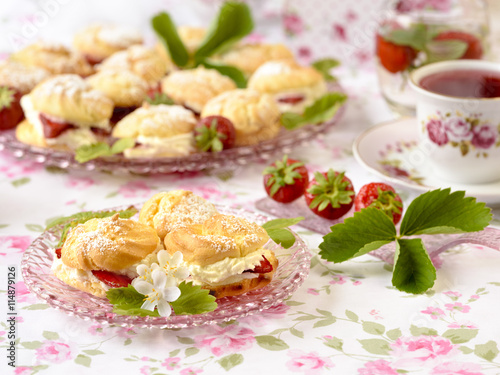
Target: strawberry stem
(6, 97)
(331, 189)
(282, 174)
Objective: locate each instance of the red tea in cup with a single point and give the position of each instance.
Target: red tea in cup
(463, 83)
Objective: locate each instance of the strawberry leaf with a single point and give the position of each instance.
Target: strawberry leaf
(193, 300)
(6, 97)
(440, 211)
(415, 36)
(160, 98)
(167, 32)
(367, 230)
(227, 70)
(324, 65)
(128, 301)
(278, 231)
(413, 270)
(100, 149)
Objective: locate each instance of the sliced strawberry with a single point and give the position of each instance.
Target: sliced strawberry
(154, 90)
(121, 112)
(474, 47)
(11, 112)
(58, 253)
(53, 129)
(330, 194)
(381, 196)
(112, 279)
(295, 99)
(286, 180)
(214, 133)
(265, 266)
(393, 57)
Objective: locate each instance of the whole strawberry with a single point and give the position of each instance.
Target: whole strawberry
(393, 57)
(474, 47)
(11, 112)
(381, 196)
(286, 180)
(214, 133)
(330, 194)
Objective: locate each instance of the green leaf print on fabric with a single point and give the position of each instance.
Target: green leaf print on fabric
(488, 351)
(459, 336)
(376, 346)
(230, 361)
(271, 343)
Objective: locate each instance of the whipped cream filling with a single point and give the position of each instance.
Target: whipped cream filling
(72, 138)
(178, 145)
(227, 271)
(310, 95)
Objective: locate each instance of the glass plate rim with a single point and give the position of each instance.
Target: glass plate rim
(276, 292)
(233, 157)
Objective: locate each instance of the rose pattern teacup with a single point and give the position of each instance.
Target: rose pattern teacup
(460, 135)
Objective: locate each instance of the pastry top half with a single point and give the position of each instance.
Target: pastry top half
(142, 60)
(193, 88)
(21, 77)
(217, 238)
(248, 57)
(159, 121)
(55, 58)
(70, 98)
(166, 211)
(101, 41)
(123, 87)
(254, 115)
(109, 244)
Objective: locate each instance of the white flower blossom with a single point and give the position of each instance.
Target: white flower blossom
(172, 265)
(162, 290)
(144, 272)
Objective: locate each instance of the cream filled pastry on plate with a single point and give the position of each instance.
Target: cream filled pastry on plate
(126, 89)
(64, 112)
(159, 130)
(293, 86)
(97, 42)
(224, 254)
(104, 253)
(54, 58)
(255, 116)
(141, 60)
(249, 56)
(193, 88)
(168, 210)
(20, 77)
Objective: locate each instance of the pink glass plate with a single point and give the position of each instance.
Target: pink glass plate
(435, 244)
(285, 142)
(292, 271)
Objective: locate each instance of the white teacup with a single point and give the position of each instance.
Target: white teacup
(460, 134)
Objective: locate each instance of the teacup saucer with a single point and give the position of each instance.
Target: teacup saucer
(390, 150)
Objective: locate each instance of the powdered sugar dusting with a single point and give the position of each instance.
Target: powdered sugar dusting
(191, 209)
(120, 37)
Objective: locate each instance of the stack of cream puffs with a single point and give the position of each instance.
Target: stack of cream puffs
(223, 253)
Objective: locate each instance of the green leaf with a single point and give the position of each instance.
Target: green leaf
(373, 328)
(394, 334)
(461, 335)
(323, 109)
(20, 182)
(282, 237)
(34, 227)
(193, 300)
(488, 351)
(376, 346)
(167, 33)
(282, 223)
(334, 343)
(230, 361)
(271, 343)
(351, 316)
(233, 22)
(441, 50)
(227, 70)
(415, 36)
(32, 344)
(185, 340)
(367, 230)
(50, 335)
(101, 149)
(325, 322)
(93, 352)
(439, 211)
(413, 269)
(422, 331)
(83, 360)
(128, 301)
(297, 333)
(37, 306)
(159, 98)
(191, 351)
(324, 65)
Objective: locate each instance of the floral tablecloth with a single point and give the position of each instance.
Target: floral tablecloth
(345, 319)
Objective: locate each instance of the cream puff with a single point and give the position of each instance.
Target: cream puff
(248, 57)
(54, 58)
(141, 60)
(97, 42)
(126, 89)
(168, 210)
(193, 88)
(293, 86)
(104, 253)
(224, 254)
(159, 130)
(64, 112)
(255, 116)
